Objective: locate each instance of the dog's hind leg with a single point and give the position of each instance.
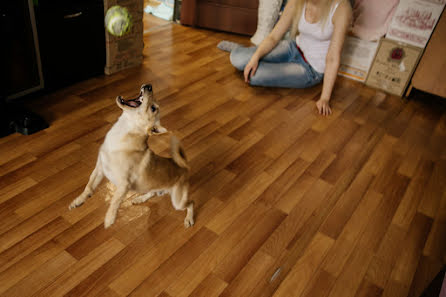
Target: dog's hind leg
(180, 201)
(189, 220)
(95, 179)
(115, 203)
(143, 198)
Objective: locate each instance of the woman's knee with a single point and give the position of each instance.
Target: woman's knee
(239, 57)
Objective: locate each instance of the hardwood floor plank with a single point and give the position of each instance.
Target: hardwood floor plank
(164, 249)
(434, 190)
(255, 271)
(211, 286)
(321, 163)
(367, 289)
(436, 243)
(41, 169)
(16, 188)
(381, 155)
(414, 193)
(241, 200)
(279, 144)
(96, 204)
(407, 261)
(233, 124)
(281, 185)
(346, 205)
(289, 156)
(254, 158)
(48, 190)
(426, 271)
(82, 269)
(225, 159)
(338, 135)
(59, 136)
(79, 229)
(42, 276)
(320, 285)
(9, 221)
(208, 260)
(410, 163)
(213, 186)
(352, 274)
(344, 156)
(382, 216)
(339, 254)
(126, 258)
(12, 150)
(146, 264)
(295, 193)
(11, 275)
(259, 114)
(107, 292)
(394, 289)
(308, 231)
(286, 231)
(436, 143)
(16, 163)
(399, 124)
(384, 260)
(175, 265)
(20, 241)
(52, 191)
(210, 153)
(240, 255)
(297, 279)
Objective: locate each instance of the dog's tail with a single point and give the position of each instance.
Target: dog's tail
(177, 152)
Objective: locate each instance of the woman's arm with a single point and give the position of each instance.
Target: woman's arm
(341, 23)
(272, 39)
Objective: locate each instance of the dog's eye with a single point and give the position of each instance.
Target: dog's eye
(153, 108)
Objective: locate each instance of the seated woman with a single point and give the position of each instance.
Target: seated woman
(318, 29)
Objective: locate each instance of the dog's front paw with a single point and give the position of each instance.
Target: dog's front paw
(137, 200)
(76, 203)
(162, 193)
(109, 220)
(188, 222)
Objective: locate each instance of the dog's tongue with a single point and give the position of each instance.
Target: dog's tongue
(132, 103)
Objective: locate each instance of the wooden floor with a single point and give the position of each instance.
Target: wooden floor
(152, 22)
(289, 203)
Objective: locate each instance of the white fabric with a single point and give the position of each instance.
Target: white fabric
(314, 40)
(267, 18)
(372, 18)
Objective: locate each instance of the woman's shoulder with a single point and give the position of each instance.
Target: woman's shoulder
(342, 12)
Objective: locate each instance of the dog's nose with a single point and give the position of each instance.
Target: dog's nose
(148, 87)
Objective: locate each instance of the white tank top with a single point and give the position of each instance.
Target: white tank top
(314, 40)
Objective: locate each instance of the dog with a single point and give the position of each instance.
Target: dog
(126, 160)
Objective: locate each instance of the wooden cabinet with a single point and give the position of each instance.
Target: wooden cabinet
(20, 68)
(430, 73)
(71, 40)
(236, 16)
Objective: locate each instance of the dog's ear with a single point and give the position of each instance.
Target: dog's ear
(158, 130)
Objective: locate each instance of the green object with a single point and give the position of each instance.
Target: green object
(118, 20)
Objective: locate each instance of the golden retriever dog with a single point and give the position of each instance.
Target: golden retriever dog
(126, 160)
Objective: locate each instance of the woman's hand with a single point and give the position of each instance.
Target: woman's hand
(323, 106)
(270, 42)
(251, 68)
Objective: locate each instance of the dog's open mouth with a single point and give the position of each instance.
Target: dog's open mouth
(136, 102)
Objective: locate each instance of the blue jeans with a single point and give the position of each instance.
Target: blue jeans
(283, 67)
